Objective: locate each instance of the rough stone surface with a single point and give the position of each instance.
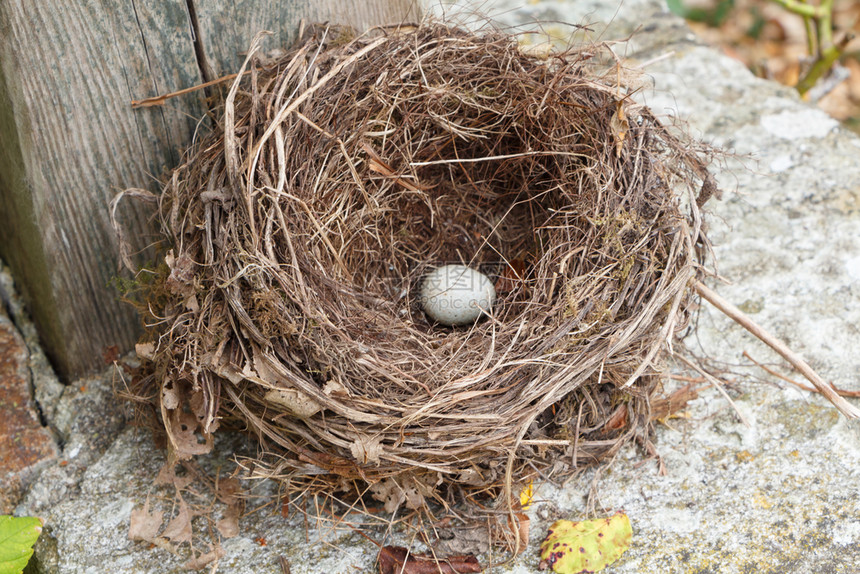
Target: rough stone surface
(776, 496)
(87, 420)
(25, 444)
(47, 388)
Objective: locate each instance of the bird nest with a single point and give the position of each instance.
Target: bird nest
(336, 177)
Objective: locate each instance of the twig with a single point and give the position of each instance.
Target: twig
(840, 392)
(796, 361)
(687, 379)
(718, 384)
(492, 158)
(654, 60)
(159, 100)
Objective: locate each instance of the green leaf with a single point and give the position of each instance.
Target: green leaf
(677, 7)
(586, 546)
(17, 537)
(713, 17)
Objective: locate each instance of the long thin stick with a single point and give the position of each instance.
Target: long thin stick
(159, 100)
(798, 363)
(840, 392)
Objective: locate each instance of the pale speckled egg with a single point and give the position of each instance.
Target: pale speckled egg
(456, 294)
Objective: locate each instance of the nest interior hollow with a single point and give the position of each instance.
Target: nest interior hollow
(339, 174)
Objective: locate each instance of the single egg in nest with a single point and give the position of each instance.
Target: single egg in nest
(456, 295)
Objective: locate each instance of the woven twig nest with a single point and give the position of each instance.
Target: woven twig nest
(341, 173)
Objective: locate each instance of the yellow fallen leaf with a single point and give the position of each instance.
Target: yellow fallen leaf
(526, 496)
(586, 546)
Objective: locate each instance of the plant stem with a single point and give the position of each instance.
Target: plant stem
(803, 9)
(812, 44)
(739, 317)
(818, 21)
(825, 25)
(822, 65)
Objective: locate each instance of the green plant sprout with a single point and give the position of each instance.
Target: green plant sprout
(818, 20)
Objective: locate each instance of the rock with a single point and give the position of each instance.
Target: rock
(47, 388)
(778, 495)
(26, 446)
(88, 419)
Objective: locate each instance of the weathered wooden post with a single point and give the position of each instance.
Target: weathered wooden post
(69, 139)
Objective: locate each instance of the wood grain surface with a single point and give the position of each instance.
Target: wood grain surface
(69, 140)
(226, 28)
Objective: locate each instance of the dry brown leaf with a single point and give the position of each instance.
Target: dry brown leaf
(229, 492)
(471, 477)
(417, 491)
(366, 449)
(296, 401)
(204, 560)
(205, 411)
(619, 126)
(511, 277)
(664, 407)
(181, 279)
(228, 526)
(471, 539)
(388, 493)
(110, 354)
(167, 475)
(145, 350)
(510, 531)
(398, 560)
(519, 524)
(192, 304)
(336, 389)
(618, 419)
(393, 494)
(265, 372)
(179, 529)
(144, 526)
(182, 427)
(170, 395)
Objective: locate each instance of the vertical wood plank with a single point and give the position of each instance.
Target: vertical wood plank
(70, 141)
(227, 28)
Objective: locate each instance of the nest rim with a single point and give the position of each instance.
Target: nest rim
(595, 265)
